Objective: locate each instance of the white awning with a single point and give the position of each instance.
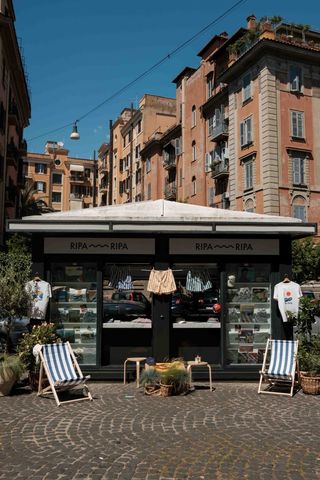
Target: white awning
(76, 168)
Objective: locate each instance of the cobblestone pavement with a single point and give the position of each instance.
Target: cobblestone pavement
(231, 433)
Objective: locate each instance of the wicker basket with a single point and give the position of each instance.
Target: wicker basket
(152, 390)
(310, 385)
(166, 390)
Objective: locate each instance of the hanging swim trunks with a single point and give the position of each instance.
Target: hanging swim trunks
(161, 282)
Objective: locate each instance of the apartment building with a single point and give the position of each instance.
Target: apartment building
(131, 179)
(246, 135)
(15, 112)
(63, 182)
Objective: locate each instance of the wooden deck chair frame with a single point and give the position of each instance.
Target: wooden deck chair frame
(54, 386)
(274, 382)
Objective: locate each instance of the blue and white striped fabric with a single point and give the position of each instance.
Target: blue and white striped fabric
(282, 361)
(60, 365)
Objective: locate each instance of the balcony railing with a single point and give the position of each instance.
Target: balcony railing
(220, 169)
(169, 162)
(103, 186)
(170, 191)
(220, 130)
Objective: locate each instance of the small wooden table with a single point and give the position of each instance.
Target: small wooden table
(137, 361)
(192, 363)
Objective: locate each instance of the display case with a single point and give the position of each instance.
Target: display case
(248, 313)
(74, 308)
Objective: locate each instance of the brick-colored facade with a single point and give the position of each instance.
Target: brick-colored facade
(15, 112)
(63, 182)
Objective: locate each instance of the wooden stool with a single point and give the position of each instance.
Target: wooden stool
(137, 361)
(192, 363)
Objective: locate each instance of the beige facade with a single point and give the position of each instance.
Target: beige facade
(15, 112)
(63, 182)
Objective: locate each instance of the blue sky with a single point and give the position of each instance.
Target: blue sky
(78, 53)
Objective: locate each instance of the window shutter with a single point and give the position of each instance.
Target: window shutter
(300, 125)
(44, 187)
(218, 116)
(121, 165)
(294, 124)
(249, 130)
(207, 162)
(296, 171)
(242, 134)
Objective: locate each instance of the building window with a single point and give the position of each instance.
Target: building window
(246, 132)
(299, 208)
(193, 186)
(41, 168)
(208, 161)
(137, 150)
(180, 177)
(139, 126)
(248, 175)
(180, 112)
(57, 178)
(211, 124)
(209, 85)
(138, 176)
(178, 146)
(56, 197)
(246, 88)
(149, 191)
(297, 124)
(194, 151)
(211, 195)
(148, 165)
(193, 116)
(249, 205)
(40, 187)
(298, 170)
(295, 78)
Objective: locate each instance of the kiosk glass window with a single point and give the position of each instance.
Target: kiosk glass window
(248, 312)
(195, 312)
(74, 307)
(127, 326)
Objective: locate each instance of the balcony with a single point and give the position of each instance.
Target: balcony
(12, 154)
(13, 115)
(79, 179)
(220, 131)
(170, 191)
(220, 169)
(103, 187)
(169, 161)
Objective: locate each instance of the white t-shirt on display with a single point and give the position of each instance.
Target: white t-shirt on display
(288, 295)
(40, 293)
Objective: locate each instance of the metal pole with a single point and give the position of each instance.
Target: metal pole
(94, 196)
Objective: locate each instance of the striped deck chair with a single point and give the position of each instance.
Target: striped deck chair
(62, 370)
(281, 370)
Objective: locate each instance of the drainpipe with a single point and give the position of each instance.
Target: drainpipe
(110, 162)
(131, 156)
(94, 196)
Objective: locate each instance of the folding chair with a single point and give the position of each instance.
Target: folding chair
(62, 370)
(281, 370)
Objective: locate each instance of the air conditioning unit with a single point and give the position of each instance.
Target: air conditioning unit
(226, 152)
(225, 196)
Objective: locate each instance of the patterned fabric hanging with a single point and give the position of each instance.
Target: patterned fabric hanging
(198, 280)
(161, 282)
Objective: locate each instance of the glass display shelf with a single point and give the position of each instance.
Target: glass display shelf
(126, 325)
(197, 325)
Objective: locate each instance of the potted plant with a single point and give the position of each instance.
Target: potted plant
(150, 380)
(309, 345)
(15, 268)
(166, 379)
(40, 334)
(11, 369)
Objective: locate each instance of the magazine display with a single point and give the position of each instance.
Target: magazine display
(248, 317)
